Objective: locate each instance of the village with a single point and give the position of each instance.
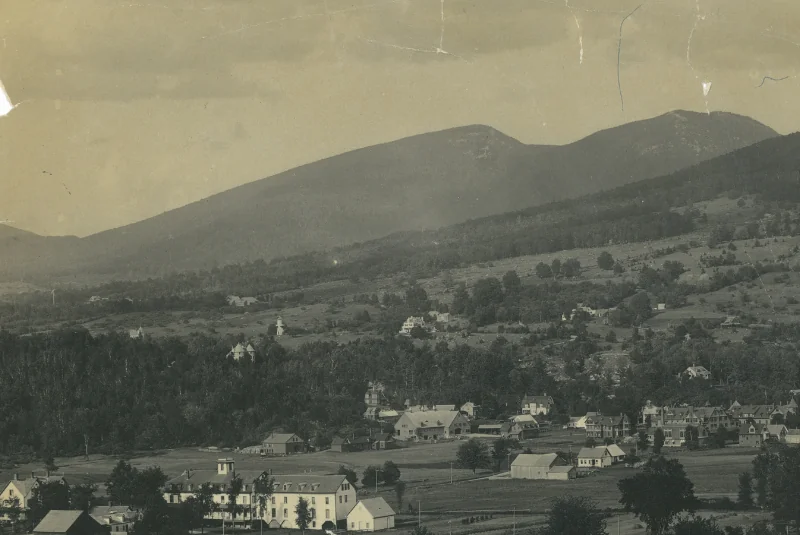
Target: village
(258, 497)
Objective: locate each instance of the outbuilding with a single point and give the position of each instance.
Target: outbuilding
(372, 514)
(531, 466)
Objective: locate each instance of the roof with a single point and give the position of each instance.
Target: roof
(593, 453)
(25, 486)
(562, 469)
(745, 429)
(308, 484)
(199, 477)
(775, 429)
(57, 521)
(522, 418)
(279, 438)
(540, 400)
(605, 420)
(377, 507)
(432, 418)
(529, 459)
(615, 450)
(105, 510)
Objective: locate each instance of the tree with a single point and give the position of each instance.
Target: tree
(204, 504)
(399, 492)
(81, 497)
(590, 442)
(46, 497)
(658, 440)
(473, 454)
(658, 493)
(692, 437)
(746, 489)
(419, 333)
(641, 441)
(461, 301)
(234, 490)
(500, 451)
(120, 484)
(511, 282)
(50, 463)
(303, 514)
(543, 271)
(390, 473)
(487, 292)
(780, 474)
(572, 515)
(571, 268)
(421, 530)
(697, 526)
(555, 267)
(605, 261)
(372, 476)
(349, 473)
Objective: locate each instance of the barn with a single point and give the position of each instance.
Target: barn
(531, 466)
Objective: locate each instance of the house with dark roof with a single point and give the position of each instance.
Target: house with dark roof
(283, 444)
(116, 518)
(178, 489)
(431, 425)
(753, 435)
(61, 522)
(537, 405)
(349, 444)
(600, 426)
(382, 441)
(18, 492)
(329, 499)
(372, 514)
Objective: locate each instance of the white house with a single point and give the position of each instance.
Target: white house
(470, 409)
(524, 419)
(373, 514)
(594, 457)
(18, 492)
(116, 518)
(329, 498)
(577, 422)
(240, 351)
(617, 453)
(439, 317)
(697, 371)
(279, 327)
(137, 333)
(425, 425)
(537, 404)
(411, 322)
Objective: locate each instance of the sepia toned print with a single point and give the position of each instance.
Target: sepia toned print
(428, 267)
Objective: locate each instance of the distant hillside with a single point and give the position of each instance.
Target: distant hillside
(422, 182)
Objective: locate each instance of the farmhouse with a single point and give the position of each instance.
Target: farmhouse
(753, 435)
(470, 409)
(519, 430)
(116, 518)
(68, 523)
(372, 514)
(792, 436)
(577, 422)
(434, 425)
(181, 488)
(536, 405)
(20, 491)
(136, 333)
(600, 426)
(329, 499)
(348, 444)
(777, 432)
(283, 444)
(411, 322)
(382, 441)
(530, 466)
(236, 301)
(598, 457)
(374, 396)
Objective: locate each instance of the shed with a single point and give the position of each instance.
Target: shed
(562, 472)
(372, 514)
(617, 453)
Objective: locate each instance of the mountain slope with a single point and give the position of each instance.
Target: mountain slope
(422, 182)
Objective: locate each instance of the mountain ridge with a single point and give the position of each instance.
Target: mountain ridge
(424, 181)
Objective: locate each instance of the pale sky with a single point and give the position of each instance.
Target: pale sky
(127, 109)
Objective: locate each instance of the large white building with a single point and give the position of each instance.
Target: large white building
(329, 497)
(431, 425)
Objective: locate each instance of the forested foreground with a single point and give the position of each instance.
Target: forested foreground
(122, 394)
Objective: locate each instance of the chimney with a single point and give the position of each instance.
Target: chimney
(33, 475)
(16, 477)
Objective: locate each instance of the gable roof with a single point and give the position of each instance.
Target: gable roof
(615, 450)
(279, 438)
(776, 429)
(539, 400)
(200, 477)
(562, 469)
(26, 486)
(758, 428)
(593, 453)
(308, 484)
(530, 459)
(432, 418)
(377, 507)
(58, 521)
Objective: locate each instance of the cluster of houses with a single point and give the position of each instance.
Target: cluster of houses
(102, 519)
(236, 301)
(434, 318)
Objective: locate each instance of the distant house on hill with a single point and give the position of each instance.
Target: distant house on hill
(283, 444)
(349, 444)
(136, 333)
(697, 372)
(63, 522)
(471, 409)
(374, 395)
(236, 301)
(439, 317)
(239, 351)
(411, 322)
(280, 328)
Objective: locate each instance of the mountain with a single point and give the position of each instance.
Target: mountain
(421, 182)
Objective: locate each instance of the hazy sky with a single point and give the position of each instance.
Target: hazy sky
(129, 109)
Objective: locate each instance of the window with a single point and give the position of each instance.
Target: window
(313, 500)
(352, 524)
(273, 513)
(327, 500)
(345, 498)
(314, 524)
(222, 499)
(340, 499)
(327, 513)
(285, 512)
(313, 513)
(285, 499)
(367, 525)
(273, 500)
(245, 499)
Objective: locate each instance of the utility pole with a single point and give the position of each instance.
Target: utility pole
(514, 526)
(419, 514)
(617, 525)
